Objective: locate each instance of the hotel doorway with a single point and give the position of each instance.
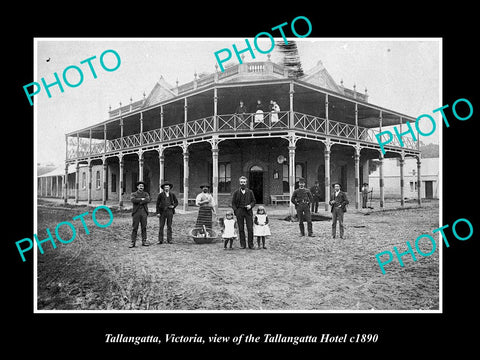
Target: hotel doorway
(255, 183)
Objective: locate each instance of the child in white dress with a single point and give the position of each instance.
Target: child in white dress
(229, 232)
(260, 226)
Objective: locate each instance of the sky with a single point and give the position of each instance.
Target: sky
(403, 75)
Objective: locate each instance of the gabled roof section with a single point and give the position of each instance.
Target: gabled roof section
(160, 92)
(319, 76)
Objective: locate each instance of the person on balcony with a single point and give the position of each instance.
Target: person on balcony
(240, 111)
(274, 112)
(259, 113)
(206, 208)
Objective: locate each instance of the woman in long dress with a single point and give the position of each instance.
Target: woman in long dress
(207, 207)
(259, 112)
(274, 113)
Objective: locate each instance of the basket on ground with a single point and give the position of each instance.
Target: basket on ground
(203, 235)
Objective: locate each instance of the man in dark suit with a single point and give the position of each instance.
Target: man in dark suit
(166, 204)
(302, 198)
(140, 199)
(243, 201)
(338, 203)
(241, 110)
(315, 190)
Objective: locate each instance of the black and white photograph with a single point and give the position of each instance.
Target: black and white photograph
(295, 181)
(286, 141)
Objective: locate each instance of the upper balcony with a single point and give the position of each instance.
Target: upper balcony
(316, 105)
(232, 125)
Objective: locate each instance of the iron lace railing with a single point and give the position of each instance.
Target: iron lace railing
(247, 122)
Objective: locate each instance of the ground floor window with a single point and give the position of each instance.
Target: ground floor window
(413, 185)
(224, 178)
(299, 172)
(97, 180)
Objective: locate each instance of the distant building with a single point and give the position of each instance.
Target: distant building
(429, 188)
(51, 182)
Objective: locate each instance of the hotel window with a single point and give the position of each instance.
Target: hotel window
(285, 179)
(413, 186)
(97, 180)
(224, 177)
(84, 180)
(299, 172)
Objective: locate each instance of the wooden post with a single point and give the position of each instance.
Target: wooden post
(357, 176)
(419, 180)
(185, 176)
(402, 196)
(327, 174)
(215, 151)
(120, 180)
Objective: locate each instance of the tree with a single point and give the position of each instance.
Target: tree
(429, 150)
(291, 59)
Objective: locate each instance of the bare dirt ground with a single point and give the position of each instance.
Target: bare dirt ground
(99, 272)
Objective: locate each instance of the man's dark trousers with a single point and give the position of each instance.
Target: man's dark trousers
(303, 214)
(337, 214)
(165, 216)
(243, 215)
(139, 218)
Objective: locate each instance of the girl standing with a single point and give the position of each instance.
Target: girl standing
(229, 231)
(260, 227)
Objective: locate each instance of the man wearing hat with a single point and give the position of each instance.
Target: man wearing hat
(315, 190)
(302, 198)
(338, 203)
(166, 204)
(140, 199)
(365, 192)
(207, 206)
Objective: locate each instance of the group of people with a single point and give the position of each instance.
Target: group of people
(235, 222)
(260, 111)
(165, 209)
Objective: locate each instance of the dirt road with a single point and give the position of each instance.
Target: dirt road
(98, 271)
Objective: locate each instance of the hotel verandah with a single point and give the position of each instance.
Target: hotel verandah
(189, 134)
